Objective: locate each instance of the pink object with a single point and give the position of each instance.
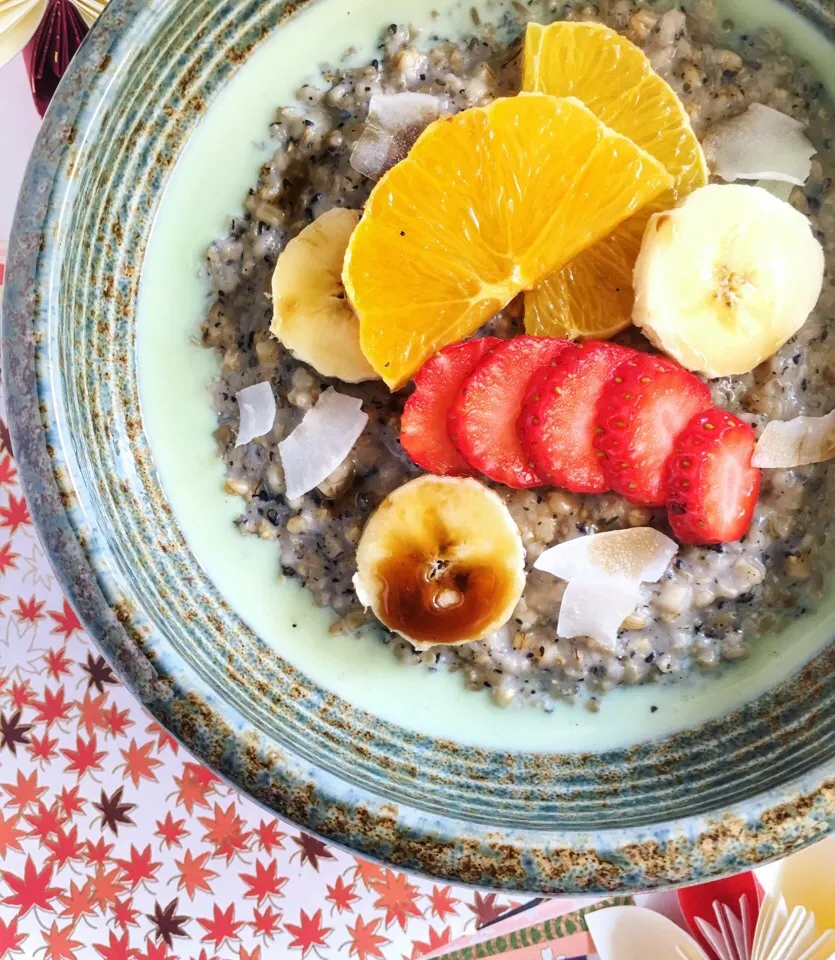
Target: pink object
(48, 53)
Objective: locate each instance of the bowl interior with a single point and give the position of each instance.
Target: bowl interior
(152, 143)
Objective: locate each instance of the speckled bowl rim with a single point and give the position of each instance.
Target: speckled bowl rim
(762, 828)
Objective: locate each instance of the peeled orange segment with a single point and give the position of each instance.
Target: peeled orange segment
(486, 204)
(592, 295)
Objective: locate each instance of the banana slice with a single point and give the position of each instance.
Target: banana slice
(441, 562)
(311, 314)
(724, 279)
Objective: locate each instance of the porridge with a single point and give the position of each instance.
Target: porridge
(713, 601)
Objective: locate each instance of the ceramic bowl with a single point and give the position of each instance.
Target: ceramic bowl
(152, 139)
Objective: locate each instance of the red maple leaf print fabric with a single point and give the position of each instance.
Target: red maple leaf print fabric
(117, 845)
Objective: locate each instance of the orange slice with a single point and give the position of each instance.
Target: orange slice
(592, 295)
(487, 204)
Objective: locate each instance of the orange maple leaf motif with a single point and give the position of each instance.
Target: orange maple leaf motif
(124, 913)
(25, 791)
(57, 663)
(253, 954)
(194, 874)
(44, 821)
(367, 873)
(308, 933)
(85, 758)
(106, 886)
(15, 514)
(442, 902)
(10, 836)
(53, 707)
(59, 942)
(265, 923)
(91, 712)
(8, 476)
(43, 748)
(139, 764)
(117, 948)
(65, 847)
(30, 890)
(22, 695)
(192, 788)
(221, 926)
(139, 867)
(66, 622)
(10, 939)
(77, 901)
(397, 897)
(436, 941)
(342, 896)
(365, 942)
(8, 559)
(269, 836)
(154, 951)
(31, 609)
(224, 831)
(164, 738)
(265, 883)
(71, 802)
(171, 831)
(98, 852)
(115, 721)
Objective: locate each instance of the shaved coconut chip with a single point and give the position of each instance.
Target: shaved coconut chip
(321, 441)
(760, 144)
(395, 121)
(636, 555)
(794, 443)
(256, 405)
(595, 607)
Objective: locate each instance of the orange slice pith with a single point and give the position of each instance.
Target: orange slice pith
(487, 203)
(592, 295)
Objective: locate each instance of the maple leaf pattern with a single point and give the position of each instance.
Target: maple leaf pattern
(398, 897)
(365, 942)
(98, 672)
(221, 926)
(13, 733)
(167, 922)
(312, 850)
(113, 811)
(114, 845)
(341, 895)
(485, 908)
(10, 938)
(308, 933)
(59, 942)
(435, 942)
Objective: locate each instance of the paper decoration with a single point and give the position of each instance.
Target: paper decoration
(48, 32)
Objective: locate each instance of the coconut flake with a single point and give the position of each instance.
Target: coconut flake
(639, 554)
(321, 441)
(781, 189)
(256, 406)
(604, 573)
(395, 121)
(760, 144)
(795, 443)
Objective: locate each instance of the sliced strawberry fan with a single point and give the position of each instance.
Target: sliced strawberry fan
(49, 32)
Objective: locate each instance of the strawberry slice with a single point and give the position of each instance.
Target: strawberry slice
(647, 402)
(423, 426)
(712, 488)
(557, 426)
(483, 416)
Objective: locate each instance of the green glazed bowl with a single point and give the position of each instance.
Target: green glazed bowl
(153, 138)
